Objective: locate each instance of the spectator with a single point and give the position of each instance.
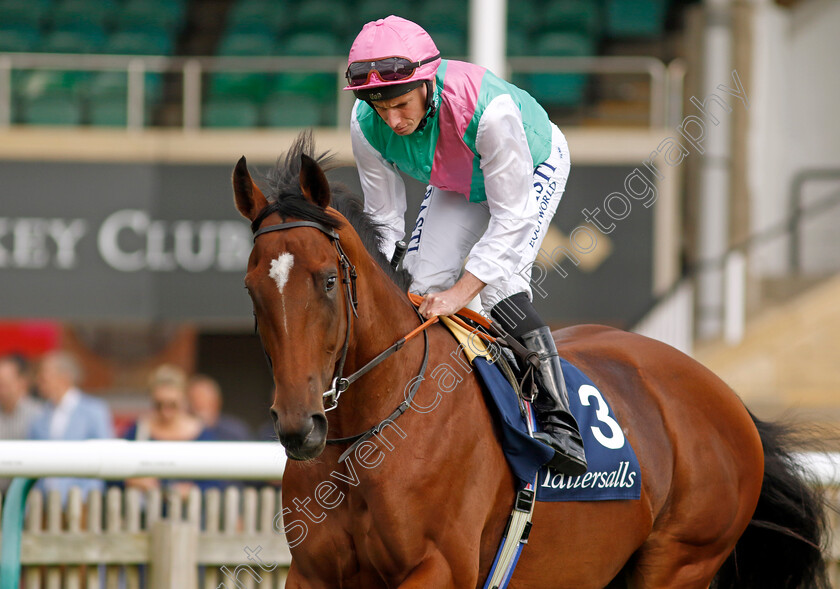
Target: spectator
(205, 398)
(70, 415)
(169, 421)
(17, 408)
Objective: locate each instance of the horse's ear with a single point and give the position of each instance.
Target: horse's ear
(248, 198)
(313, 182)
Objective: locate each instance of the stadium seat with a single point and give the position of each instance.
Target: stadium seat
(138, 43)
(311, 43)
(444, 16)
(259, 17)
(522, 16)
(558, 90)
(112, 111)
(42, 83)
(321, 16)
(450, 45)
(253, 86)
(321, 87)
(22, 39)
(287, 109)
(635, 18)
(248, 44)
(370, 10)
(155, 16)
(52, 110)
(82, 14)
(574, 16)
(518, 43)
(73, 42)
(115, 85)
(16, 15)
(230, 112)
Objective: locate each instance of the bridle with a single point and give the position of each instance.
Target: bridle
(341, 383)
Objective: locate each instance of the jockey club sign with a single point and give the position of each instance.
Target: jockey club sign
(128, 240)
(117, 241)
(141, 241)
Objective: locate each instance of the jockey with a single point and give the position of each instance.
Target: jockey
(496, 169)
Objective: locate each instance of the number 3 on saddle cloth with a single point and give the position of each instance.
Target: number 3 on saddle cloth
(613, 472)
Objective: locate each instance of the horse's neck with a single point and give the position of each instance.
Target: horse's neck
(384, 316)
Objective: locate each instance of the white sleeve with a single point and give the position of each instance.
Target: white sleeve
(508, 174)
(382, 186)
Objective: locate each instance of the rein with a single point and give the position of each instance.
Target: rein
(341, 383)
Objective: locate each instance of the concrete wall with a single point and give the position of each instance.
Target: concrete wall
(794, 124)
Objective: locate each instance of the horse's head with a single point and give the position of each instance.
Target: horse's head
(294, 279)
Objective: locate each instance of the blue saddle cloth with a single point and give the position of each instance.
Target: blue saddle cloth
(613, 472)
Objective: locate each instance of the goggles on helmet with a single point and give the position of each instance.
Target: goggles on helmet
(389, 69)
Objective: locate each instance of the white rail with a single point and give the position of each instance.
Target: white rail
(672, 320)
(665, 81)
(120, 459)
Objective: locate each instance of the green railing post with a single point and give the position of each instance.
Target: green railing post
(13, 511)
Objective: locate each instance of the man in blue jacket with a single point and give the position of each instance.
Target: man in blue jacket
(70, 415)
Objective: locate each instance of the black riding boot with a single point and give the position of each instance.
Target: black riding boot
(560, 430)
(518, 317)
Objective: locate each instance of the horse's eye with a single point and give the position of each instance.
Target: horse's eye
(330, 283)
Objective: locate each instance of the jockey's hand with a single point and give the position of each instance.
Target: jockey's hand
(453, 299)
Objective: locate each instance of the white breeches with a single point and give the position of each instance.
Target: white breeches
(449, 225)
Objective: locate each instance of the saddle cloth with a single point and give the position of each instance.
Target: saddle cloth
(613, 469)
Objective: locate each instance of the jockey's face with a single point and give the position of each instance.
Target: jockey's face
(403, 113)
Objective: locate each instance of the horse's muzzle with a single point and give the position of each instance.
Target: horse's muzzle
(306, 442)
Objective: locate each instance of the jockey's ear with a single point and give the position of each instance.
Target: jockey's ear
(313, 182)
(248, 198)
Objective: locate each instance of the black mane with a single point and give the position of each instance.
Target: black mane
(286, 198)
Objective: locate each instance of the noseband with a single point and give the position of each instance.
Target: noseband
(339, 382)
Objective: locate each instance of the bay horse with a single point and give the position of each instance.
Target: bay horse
(423, 502)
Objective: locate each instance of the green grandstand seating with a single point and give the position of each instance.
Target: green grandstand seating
(73, 42)
(321, 87)
(444, 16)
(246, 44)
(36, 4)
(138, 43)
(144, 15)
(522, 15)
(518, 43)
(288, 109)
(15, 15)
(259, 16)
(321, 15)
(369, 10)
(635, 18)
(449, 44)
(52, 110)
(575, 16)
(73, 14)
(22, 39)
(230, 112)
(115, 85)
(311, 43)
(253, 86)
(112, 111)
(558, 90)
(39, 83)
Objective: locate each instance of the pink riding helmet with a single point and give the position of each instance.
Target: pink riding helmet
(394, 37)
